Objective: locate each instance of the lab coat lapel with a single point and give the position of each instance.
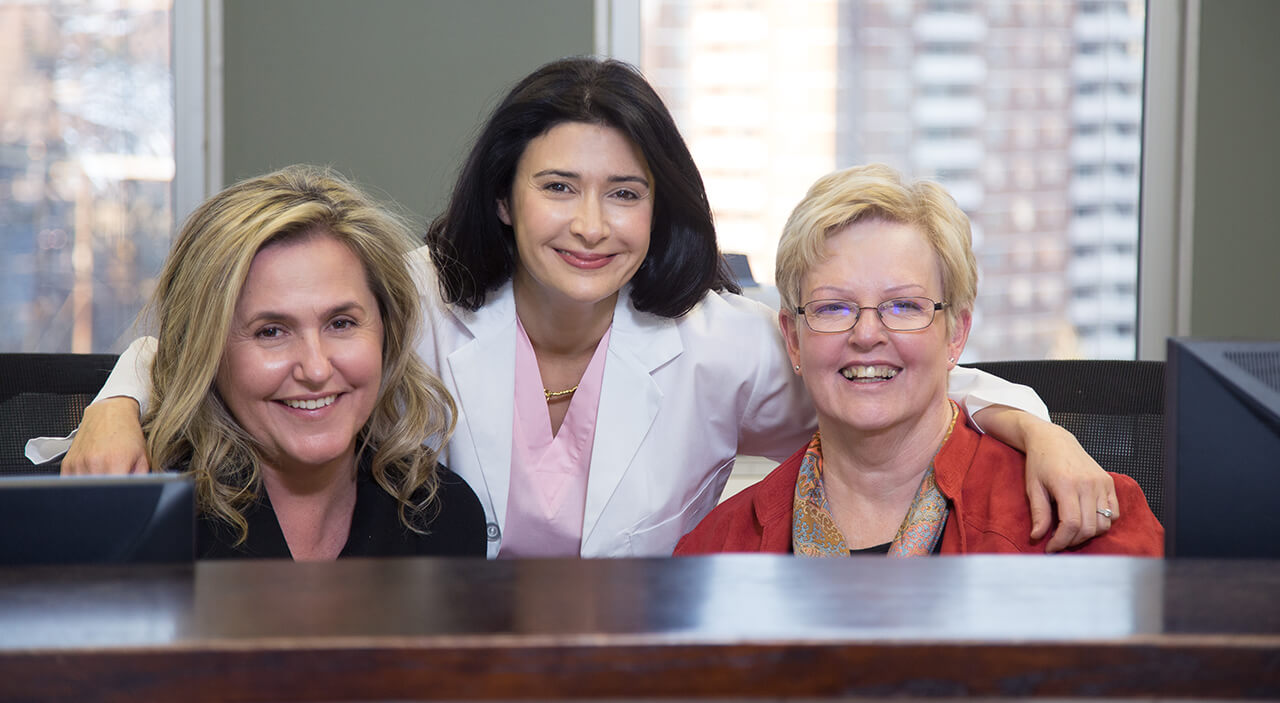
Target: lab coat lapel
(630, 399)
(483, 372)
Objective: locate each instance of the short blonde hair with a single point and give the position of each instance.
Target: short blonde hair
(189, 425)
(877, 192)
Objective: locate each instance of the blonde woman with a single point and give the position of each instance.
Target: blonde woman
(878, 281)
(284, 380)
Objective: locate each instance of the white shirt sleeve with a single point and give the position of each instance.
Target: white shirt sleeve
(131, 378)
(975, 390)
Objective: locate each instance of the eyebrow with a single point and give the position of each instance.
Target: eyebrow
(575, 175)
(890, 290)
(339, 309)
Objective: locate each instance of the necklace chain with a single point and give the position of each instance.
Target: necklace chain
(552, 395)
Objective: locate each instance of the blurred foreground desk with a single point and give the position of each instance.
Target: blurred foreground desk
(725, 627)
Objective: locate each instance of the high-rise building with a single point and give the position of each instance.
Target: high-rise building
(1028, 112)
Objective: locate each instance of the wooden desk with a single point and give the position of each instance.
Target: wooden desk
(729, 626)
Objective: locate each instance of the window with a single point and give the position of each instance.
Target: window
(1041, 148)
(86, 165)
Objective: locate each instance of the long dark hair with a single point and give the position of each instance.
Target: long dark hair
(474, 252)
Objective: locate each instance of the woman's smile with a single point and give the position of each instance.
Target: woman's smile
(869, 374)
(585, 260)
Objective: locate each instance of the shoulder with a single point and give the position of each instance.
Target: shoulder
(733, 328)
(456, 496)
(718, 530)
(458, 523)
(1137, 532)
(726, 308)
(747, 520)
(424, 273)
(721, 331)
(451, 525)
(977, 465)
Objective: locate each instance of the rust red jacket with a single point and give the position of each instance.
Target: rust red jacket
(982, 479)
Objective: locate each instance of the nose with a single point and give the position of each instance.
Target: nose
(589, 222)
(313, 366)
(868, 330)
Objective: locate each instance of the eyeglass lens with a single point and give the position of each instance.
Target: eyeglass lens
(898, 314)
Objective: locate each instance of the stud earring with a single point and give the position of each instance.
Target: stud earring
(951, 359)
(796, 367)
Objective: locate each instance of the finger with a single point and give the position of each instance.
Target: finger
(72, 464)
(1105, 521)
(1090, 499)
(1113, 500)
(112, 467)
(1041, 512)
(140, 465)
(1070, 523)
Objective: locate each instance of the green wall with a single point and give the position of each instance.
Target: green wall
(1236, 237)
(390, 92)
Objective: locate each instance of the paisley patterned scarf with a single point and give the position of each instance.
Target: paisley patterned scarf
(814, 532)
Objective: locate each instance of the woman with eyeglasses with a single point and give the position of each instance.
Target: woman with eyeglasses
(607, 371)
(878, 280)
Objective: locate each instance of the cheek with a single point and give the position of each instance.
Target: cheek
(533, 215)
(927, 350)
(640, 226)
(249, 374)
(817, 349)
(361, 360)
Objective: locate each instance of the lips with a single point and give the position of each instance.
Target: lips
(311, 403)
(870, 373)
(585, 260)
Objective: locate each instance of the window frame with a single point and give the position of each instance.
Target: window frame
(1167, 180)
(196, 52)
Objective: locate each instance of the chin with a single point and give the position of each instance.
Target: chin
(863, 420)
(319, 455)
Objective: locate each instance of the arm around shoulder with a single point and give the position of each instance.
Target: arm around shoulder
(1137, 533)
(109, 439)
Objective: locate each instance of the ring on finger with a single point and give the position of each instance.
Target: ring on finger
(1105, 512)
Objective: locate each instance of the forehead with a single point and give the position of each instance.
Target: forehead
(313, 267)
(873, 257)
(582, 146)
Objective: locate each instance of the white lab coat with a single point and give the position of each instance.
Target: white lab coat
(680, 399)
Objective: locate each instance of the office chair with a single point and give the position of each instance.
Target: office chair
(44, 395)
(1115, 409)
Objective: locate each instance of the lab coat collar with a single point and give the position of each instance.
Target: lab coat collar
(484, 378)
(639, 344)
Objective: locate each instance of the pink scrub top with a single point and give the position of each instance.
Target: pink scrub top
(547, 498)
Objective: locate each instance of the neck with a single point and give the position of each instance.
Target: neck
(558, 327)
(882, 466)
(314, 505)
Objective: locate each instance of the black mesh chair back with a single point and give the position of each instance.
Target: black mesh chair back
(1115, 409)
(44, 395)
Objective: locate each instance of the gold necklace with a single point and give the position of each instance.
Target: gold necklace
(552, 395)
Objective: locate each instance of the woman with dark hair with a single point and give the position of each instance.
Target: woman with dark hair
(606, 371)
(474, 248)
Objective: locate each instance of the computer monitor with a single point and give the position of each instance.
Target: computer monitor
(96, 519)
(1222, 449)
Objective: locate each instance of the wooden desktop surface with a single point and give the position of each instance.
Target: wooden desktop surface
(726, 626)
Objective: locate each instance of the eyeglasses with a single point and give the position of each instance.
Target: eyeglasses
(897, 314)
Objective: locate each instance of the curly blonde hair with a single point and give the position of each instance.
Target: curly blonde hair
(194, 302)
